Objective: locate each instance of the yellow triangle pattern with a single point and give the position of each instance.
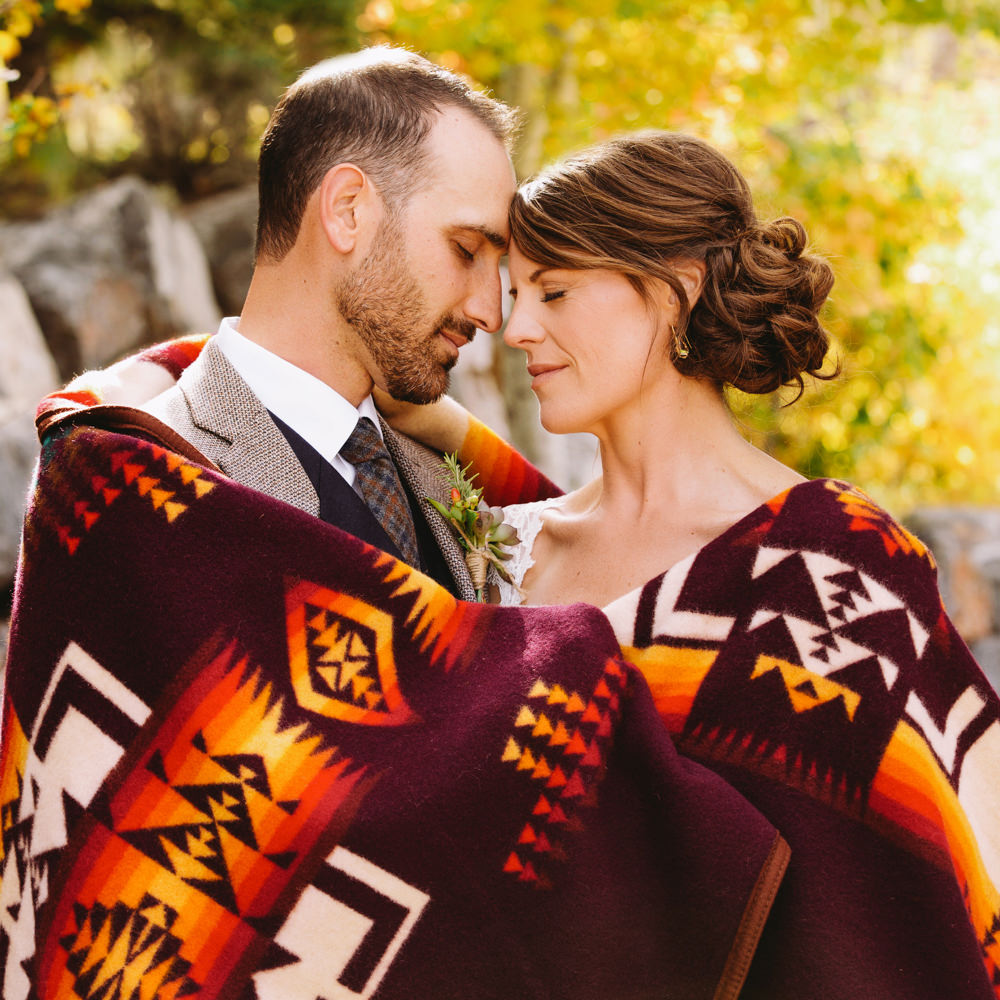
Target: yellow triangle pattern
(139, 476)
(543, 727)
(174, 510)
(558, 696)
(526, 717)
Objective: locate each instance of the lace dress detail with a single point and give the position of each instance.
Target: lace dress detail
(526, 518)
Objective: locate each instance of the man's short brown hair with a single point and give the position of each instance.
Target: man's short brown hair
(373, 109)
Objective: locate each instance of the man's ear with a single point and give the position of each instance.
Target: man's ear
(347, 206)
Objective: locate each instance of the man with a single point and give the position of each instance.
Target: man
(384, 186)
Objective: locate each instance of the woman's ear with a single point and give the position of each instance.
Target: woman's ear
(692, 277)
(347, 206)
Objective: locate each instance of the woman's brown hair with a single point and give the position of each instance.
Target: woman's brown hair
(638, 204)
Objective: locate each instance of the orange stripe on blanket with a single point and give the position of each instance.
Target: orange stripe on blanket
(912, 791)
(505, 475)
(175, 355)
(674, 674)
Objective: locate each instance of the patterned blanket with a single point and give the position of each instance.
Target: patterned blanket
(805, 656)
(246, 755)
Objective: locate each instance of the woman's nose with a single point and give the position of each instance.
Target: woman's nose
(521, 328)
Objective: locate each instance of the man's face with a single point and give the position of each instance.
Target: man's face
(432, 275)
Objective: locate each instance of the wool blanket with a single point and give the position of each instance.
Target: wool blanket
(802, 663)
(247, 755)
(805, 656)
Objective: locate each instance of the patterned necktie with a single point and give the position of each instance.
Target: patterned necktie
(380, 487)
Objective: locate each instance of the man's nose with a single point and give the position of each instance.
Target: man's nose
(483, 305)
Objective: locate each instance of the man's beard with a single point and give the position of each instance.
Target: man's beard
(384, 304)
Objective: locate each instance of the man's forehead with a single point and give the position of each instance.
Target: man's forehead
(469, 176)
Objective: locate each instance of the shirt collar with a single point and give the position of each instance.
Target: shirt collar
(310, 407)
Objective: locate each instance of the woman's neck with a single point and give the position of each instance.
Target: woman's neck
(680, 451)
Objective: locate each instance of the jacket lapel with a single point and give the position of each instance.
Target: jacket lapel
(421, 472)
(247, 445)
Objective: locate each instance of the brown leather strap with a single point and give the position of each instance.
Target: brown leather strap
(754, 917)
(126, 420)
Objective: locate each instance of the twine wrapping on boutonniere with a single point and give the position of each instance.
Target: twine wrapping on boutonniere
(481, 530)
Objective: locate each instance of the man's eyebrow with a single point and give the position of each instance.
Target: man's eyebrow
(491, 236)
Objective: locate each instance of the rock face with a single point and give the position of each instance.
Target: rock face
(110, 272)
(113, 270)
(966, 543)
(226, 226)
(27, 373)
(18, 451)
(28, 370)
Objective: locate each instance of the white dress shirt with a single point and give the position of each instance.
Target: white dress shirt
(310, 407)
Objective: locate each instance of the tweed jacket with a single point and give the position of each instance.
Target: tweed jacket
(215, 410)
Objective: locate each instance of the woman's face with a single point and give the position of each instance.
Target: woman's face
(592, 342)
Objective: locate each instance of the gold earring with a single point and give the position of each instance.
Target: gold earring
(681, 346)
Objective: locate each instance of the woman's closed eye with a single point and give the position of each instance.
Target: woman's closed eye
(552, 296)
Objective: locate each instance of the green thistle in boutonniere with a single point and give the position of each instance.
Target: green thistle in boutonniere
(481, 530)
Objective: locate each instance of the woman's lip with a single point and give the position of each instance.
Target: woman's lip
(535, 370)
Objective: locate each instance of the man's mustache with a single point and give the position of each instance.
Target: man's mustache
(460, 326)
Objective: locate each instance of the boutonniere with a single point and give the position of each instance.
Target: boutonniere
(481, 530)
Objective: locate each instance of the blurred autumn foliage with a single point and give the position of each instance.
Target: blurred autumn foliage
(877, 122)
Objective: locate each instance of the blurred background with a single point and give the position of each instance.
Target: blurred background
(130, 132)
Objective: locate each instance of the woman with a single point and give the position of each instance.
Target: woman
(643, 284)
(791, 632)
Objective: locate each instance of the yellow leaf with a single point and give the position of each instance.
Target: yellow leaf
(10, 47)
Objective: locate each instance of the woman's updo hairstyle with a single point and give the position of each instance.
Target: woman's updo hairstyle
(640, 203)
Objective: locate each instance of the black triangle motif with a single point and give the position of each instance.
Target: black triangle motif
(850, 580)
(886, 633)
(238, 764)
(774, 639)
(827, 639)
(155, 765)
(807, 687)
(788, 588)
(844, 598)
(121, 915)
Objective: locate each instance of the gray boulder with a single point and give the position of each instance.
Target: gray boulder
(226, 226)
(27, 374)
(966, 543)
(18, 452)
(110, 272)
(28, 371)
